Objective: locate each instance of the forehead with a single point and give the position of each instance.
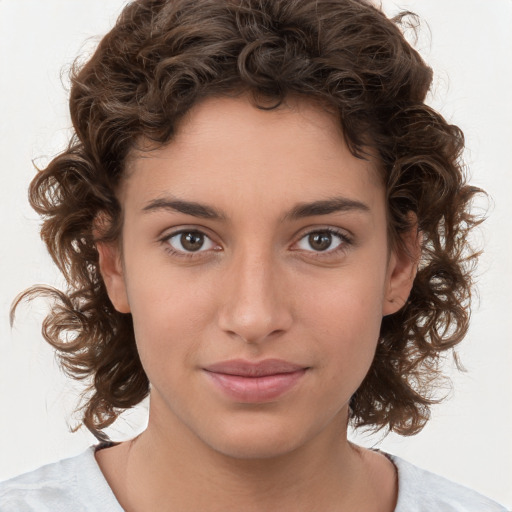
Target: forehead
(226, 148)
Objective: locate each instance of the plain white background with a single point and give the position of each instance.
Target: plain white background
(469, 45)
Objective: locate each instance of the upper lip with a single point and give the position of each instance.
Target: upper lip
(263, 368)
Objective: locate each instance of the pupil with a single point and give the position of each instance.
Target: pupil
(192, 241)
(320, 241)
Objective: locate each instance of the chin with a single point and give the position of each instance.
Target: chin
(256, 440)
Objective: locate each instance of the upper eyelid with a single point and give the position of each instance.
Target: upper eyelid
(320, 229)
(343, 233)
(170, 232)
(301, 233)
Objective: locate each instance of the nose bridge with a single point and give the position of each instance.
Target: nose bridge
(254, 306)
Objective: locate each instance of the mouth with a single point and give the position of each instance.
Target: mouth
(259, 382)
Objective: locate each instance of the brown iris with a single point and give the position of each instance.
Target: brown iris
(320, 241)
(192, 240)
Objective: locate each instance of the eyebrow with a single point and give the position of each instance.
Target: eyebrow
(299, 211)
(325, 207)
(187, 207)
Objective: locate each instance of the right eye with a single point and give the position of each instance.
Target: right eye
(190, 241)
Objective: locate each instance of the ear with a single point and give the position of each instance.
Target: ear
(402, 269)
(112, 271)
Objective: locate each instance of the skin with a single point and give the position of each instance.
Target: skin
(257, 288)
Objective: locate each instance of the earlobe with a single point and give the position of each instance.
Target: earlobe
(112, 271)
(402, 269)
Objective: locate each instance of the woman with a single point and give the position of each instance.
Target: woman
(265, 228)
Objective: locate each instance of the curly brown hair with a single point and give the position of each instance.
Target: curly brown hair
(159, 60)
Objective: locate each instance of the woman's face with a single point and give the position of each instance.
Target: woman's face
(256, 267)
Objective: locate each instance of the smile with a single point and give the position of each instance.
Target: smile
(255, 382)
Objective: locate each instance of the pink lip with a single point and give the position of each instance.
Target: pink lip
(255, 382)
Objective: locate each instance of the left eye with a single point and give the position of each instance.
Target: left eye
(321, 241)
(190, 241)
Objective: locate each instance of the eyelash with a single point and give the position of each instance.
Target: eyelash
(345, 242)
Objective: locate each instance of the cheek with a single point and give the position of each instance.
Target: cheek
(344, 314)
(168, 312)
(351, 296)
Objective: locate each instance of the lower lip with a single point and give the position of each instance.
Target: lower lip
(256, 389)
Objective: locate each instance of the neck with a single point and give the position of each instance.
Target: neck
(172, 469)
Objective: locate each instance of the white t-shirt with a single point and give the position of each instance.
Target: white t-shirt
(78, 485)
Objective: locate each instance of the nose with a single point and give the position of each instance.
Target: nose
(256, 305)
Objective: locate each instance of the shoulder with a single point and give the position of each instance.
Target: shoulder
(71, 484)
(422, 491)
